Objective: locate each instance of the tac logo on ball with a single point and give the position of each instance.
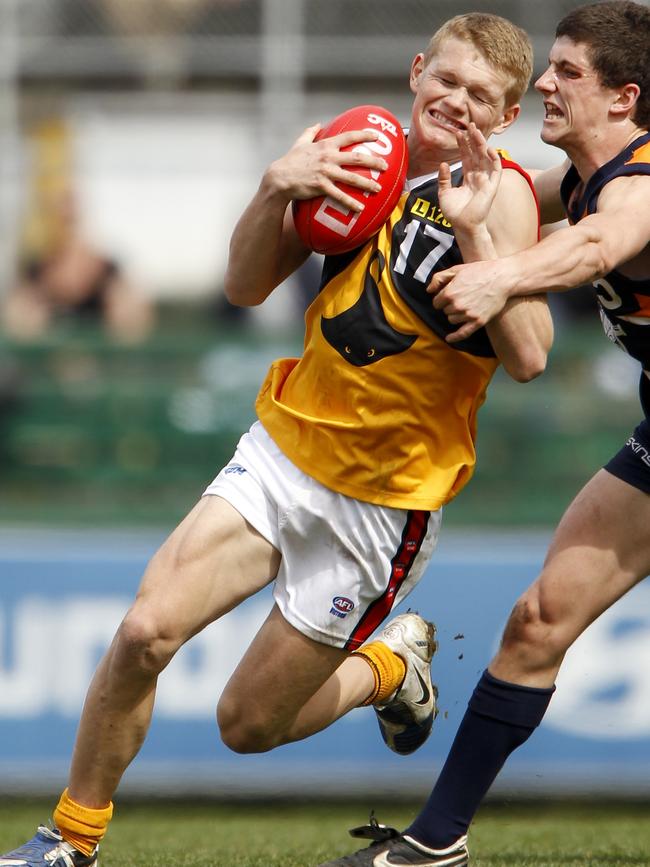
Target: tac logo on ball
(341, 606)
(327, 226)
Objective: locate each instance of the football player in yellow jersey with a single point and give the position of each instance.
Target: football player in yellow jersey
(596, 93)
(335, 494)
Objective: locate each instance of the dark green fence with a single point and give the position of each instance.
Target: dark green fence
(93, 433)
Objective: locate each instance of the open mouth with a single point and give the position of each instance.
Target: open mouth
(552, 112)
(447, 122)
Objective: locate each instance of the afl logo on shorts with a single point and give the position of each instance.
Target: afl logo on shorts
(341, 606)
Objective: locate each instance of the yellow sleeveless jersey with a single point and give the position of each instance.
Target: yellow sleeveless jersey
(380, 407)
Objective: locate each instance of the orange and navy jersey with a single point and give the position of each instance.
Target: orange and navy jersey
(380, 407)
(624, 303)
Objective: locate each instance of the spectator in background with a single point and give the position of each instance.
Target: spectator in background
(164, 21)
(70, 280)
(147, 16)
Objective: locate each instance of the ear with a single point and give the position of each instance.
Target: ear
(417, 68)
(626, 98)
(508, 117)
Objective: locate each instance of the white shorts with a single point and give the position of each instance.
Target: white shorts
(345, 563)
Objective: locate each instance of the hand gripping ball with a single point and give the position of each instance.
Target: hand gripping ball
(326, 226)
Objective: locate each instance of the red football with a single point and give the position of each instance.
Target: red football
(326, 226)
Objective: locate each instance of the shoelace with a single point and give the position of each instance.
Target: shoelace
(58, 852)
(374, 831)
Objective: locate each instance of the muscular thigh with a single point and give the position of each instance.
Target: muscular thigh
(600, 550)
(212, 561)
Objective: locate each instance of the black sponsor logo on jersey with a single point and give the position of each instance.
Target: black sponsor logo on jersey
(361, 334)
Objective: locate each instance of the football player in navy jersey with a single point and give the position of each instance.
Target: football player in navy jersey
(596, 93)
(334, 495)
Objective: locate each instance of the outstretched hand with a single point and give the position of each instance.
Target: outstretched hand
(467, 206)
(466, 293)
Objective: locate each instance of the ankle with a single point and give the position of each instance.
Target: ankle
(387, 667)
(82, 827)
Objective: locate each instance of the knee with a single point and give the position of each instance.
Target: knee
(524, 625)
(142, 642)
(532, 631)
(243, 730)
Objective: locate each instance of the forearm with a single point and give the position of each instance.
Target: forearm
(522, 336)
(261, 253)
(522, 333)
(476, 245)
(569, 257)
(547, 186)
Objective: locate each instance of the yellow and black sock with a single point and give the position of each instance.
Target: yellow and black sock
(387, 667)
(81, 826)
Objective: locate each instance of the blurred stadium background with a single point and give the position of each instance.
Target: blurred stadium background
(151, 121)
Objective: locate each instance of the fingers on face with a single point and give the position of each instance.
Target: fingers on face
(496, 160)
(474, 150)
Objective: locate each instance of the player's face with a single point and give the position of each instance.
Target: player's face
(457, 86)
(576, 104)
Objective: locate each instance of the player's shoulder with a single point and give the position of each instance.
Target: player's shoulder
(636, 158)
(515, 212)
(624, 191)
(632, 161)
(518, 179)
(514, 176)
(516, 186)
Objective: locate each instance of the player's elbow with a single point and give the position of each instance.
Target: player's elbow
(527, 365)
(535, 366)
(240, 295)
(230, 291)
(233, 299)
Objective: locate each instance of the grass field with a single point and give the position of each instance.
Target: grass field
(302, 835)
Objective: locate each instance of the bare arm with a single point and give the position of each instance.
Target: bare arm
(265, 248)
(522, 333)
(617, 233)
(547, 186)
(489, 224)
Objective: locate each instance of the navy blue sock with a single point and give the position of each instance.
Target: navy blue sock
(499, 718)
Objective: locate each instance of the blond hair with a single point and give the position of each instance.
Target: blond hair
(506, 47)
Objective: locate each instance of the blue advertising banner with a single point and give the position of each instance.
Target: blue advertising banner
(62, 595)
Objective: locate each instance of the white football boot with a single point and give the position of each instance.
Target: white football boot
(405, 719)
